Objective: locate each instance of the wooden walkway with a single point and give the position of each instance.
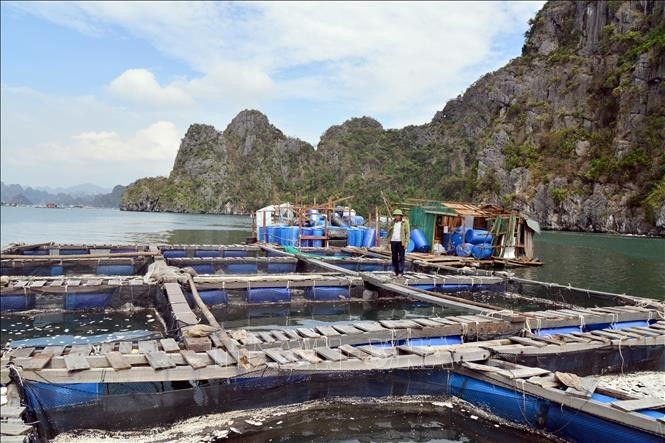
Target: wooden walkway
(300, 349)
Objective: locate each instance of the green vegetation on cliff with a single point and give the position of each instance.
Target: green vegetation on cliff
(571, 133)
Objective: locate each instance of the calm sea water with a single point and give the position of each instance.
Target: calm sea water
(623, 264)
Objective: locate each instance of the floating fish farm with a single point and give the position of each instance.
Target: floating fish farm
(127, 337)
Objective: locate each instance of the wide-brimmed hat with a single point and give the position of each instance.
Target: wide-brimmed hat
(398, 212)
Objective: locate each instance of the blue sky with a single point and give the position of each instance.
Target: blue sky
(103, 92)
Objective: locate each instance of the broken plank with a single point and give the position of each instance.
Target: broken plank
(418, 350)
(81, 349)
(221, 357)
(117, 361)
(376, 351)
(193, 359)
(22, 352)
(76, 362)
(401, 324)
(147, 346)
(169, 345)
(308, 333)
(330, 354)
(55, 351)
(368, 326)
(638, 405)
(352, 351)
(159, 360)
(15, 429)
(328, 331)
(527, 342)
(125, 347)
(307, 354)
(37, 362)
(347, 329)
(276, 356)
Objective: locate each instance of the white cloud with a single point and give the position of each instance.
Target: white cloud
(375, 57)
(140, 86)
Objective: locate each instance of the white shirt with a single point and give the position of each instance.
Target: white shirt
(397, 232)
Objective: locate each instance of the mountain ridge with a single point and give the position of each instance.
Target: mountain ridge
(570, 133)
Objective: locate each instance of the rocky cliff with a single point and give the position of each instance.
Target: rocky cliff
(571, 132)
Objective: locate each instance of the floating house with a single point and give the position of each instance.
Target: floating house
(464, 229)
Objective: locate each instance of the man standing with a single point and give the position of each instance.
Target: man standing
(399, 234)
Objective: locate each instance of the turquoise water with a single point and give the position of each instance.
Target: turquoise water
(613, 263)
(624, 264)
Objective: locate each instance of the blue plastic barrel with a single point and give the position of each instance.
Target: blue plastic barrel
(464, 250)
(482, 251)
(368, 238)
(319, 232)
(294, 233)
(273, 233)
(419, 241)
(477, 236)
(383, 233)
(411, 247)
(307, 231)
(457, 238)
(360, 236)
(352, 234)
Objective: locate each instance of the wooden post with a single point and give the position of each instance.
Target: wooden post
(377, 237)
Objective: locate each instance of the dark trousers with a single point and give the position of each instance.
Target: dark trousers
(397, 250)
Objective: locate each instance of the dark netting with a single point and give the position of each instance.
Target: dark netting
(127, 406)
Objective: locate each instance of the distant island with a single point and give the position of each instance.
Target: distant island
(80, 195)
(570, 133)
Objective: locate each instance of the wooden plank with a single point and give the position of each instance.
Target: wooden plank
(399, 324)
(39, 361)
(76, 362)
(147, 346)
(117, 361)
(290, 355)
(347, 329)
(276, 356)
(22, 352)
(266, 337)
(352, 351)
(328, 331)
(426, 322)
(53, 350)
(250, 339)
(73, 282)
(308, 333)
(193, 359)
(307, 354)
(107, 347)
(125, 347)
(368, 326)
(169, 345)
(84, 349)
(292, 333)
(527, 342)
(637, 405)
(279, 335)
(376, 351)
(221, 357)
(418, 350)
(644, 331)
(11, 411)
(330, 354)
(159, 360)
(15, 428)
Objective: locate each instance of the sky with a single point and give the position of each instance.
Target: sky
(103, 92)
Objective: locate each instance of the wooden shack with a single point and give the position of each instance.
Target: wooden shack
(512, 233)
